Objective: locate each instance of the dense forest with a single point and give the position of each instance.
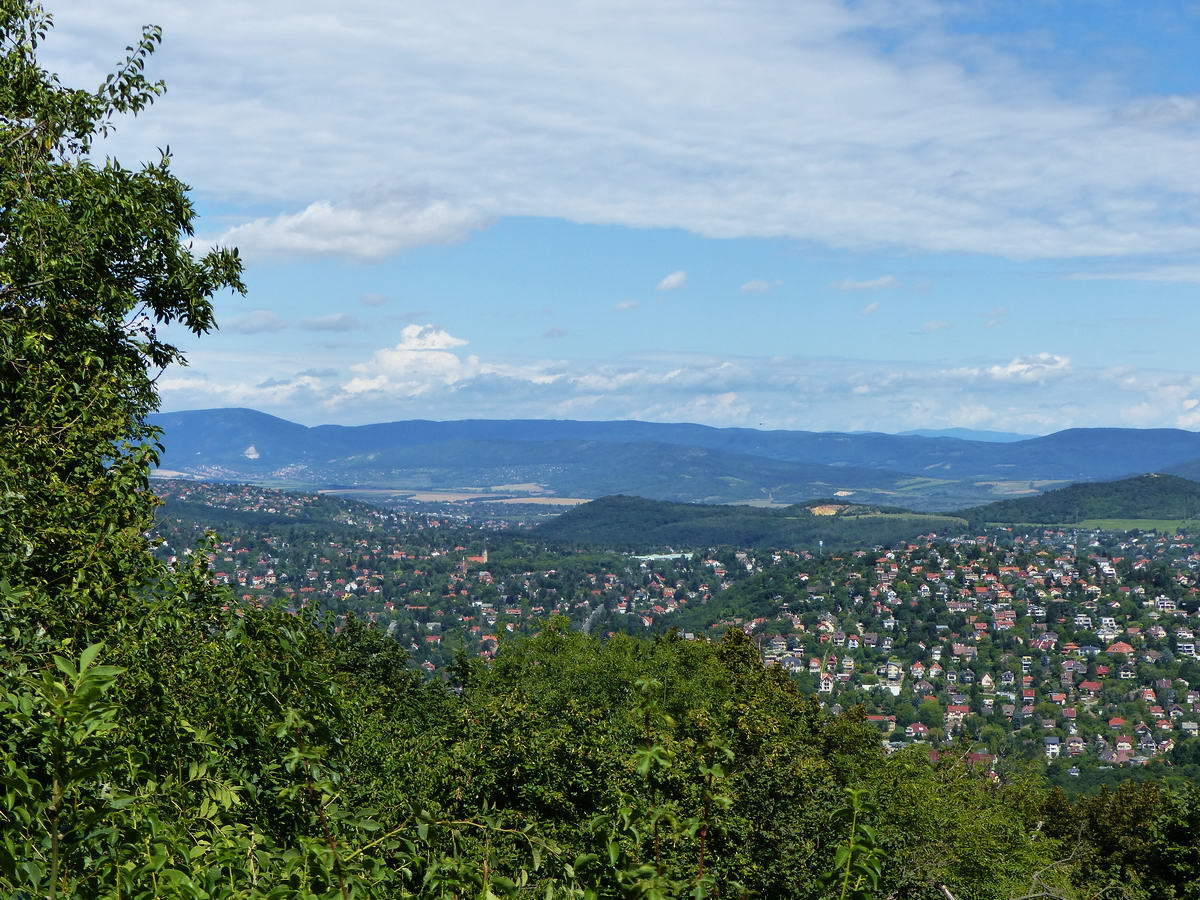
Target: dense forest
(159, 740)
(637, 523)
(1143, 497)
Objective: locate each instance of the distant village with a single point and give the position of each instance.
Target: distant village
(1072, 647)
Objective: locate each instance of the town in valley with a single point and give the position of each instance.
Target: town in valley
(1073, 648)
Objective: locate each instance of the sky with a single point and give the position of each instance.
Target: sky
(811, 214)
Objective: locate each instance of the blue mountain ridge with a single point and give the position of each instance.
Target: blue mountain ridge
(677, 461)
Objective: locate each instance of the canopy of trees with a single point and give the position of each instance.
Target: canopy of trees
(156, 740)
(1143, 497)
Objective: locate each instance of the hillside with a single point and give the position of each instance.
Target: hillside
(679, 462)
(1157, 497)
(636, 523)
(223, 507)
(1189, 470)
(595, 468)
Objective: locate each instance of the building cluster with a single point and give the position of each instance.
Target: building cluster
(1047, 643)
(1079, 645)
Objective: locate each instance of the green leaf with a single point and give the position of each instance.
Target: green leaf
(88, 656)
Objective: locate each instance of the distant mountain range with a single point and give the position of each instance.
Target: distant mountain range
(970, 434)
(680, 462)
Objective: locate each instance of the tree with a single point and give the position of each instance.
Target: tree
(92, 267)
(930, 713)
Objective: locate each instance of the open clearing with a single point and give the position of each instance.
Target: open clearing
(1020, 488)
(542, 501)
(826, 509)
(528, 487)
(446, 496)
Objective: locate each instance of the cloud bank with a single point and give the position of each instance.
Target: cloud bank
(432, 373)
(856, 125)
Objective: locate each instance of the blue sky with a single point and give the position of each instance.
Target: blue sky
(806, 214)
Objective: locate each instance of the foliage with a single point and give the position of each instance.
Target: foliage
(857, 864)
(1143, 497)
(636, 523)
(92, 266)
(159, 740)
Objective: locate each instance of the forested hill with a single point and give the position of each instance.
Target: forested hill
(676, 462)
(636, 523)
(1143, 497)
(225, 506)
(632, 523)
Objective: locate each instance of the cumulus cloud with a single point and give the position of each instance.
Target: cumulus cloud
(427, 337)
(872, 284)
(430, 373)
(371, 229)
(258, 321)
(673, 281)
(420, 362)
(1031, 368)
(759, 287)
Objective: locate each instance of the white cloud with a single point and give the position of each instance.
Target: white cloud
(420, 362)
(622, 305)
(190, 390)
(759, 287)
(673, 281)
(923, 140)
(367, 229)
(1031, 368)
(870, 309)
(726, 407)
(934, 326)
(873, 284)
(427, 337)
(428, 373)
(373, 299)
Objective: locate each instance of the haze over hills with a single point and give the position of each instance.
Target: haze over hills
(680, 462)
(970, 434)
